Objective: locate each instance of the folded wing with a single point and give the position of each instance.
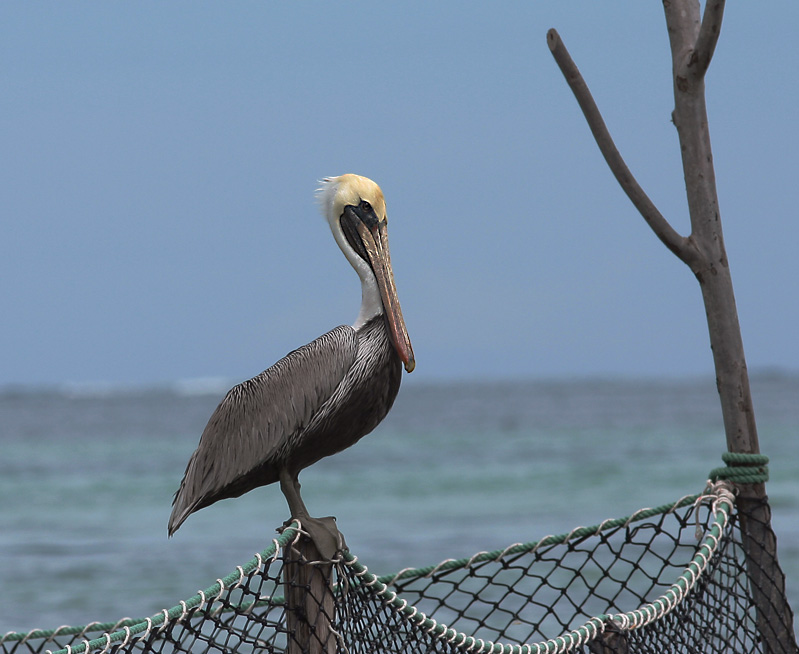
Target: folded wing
(257, 420)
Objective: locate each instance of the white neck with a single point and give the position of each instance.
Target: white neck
(371, 303)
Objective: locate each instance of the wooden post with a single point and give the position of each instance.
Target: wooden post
(693, 42)
(310, 604)
(611, 641)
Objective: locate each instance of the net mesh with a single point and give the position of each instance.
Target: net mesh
(669, 579)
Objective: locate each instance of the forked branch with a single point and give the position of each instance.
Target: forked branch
(708, 36)
(678, 244)
(692, 46)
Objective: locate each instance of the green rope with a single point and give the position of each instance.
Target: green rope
(742, 468)
(590, 629)
(126, 629)
(137, 626)
(523, 548)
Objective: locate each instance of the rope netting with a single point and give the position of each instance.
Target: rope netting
(668, 579)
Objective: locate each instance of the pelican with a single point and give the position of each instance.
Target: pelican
(320, 398)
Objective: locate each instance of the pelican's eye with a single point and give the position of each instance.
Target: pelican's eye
(365, 206)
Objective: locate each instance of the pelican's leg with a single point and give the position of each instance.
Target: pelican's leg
(323, 531)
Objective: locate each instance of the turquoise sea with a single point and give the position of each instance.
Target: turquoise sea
(87, 477)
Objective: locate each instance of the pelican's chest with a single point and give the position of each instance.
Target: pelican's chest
(361, 401)
(377, 372)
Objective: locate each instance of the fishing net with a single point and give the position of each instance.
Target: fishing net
(669, 579)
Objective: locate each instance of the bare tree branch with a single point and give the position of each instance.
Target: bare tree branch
(682, 23)
(693, 43)
(678, 244)
(692, 46)
(708, 36)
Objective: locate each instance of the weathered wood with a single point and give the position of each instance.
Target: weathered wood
(612, 640)
(310, 603)
(693, 42)
(664, 231)
(766, 579)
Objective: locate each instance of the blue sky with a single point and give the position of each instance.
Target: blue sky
(157, 217)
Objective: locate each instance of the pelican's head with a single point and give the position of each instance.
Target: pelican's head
(356, 212)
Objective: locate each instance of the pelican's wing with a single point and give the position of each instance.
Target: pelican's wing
(257, 417)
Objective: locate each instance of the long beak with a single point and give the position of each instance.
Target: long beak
(375, 241)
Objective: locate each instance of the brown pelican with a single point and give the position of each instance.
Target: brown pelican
(320, 398)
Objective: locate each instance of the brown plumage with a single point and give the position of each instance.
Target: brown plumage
(322, 397)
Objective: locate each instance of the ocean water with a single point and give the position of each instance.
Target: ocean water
(87, 477)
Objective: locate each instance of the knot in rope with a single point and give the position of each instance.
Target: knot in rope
(742, 468)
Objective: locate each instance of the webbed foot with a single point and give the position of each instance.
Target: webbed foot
(325, 535)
